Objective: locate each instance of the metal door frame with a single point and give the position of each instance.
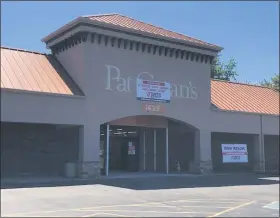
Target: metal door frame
(155, 149)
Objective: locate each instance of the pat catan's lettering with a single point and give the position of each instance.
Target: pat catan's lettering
(115, 82)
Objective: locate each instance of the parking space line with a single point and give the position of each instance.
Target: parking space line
(110, 214)
(92, 215)
(122, 205)
(170, 206)
(232, 208)
(148, 211)
(199, 206)
(207, 201)
(149, 205)
(220, 199)
(274, 205)
(74, 209)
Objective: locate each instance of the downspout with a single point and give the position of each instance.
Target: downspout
(262, 146)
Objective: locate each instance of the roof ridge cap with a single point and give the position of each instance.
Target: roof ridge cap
(23, 50)
(167, 30)
(99, 15)
(147, 23)
(240, 83)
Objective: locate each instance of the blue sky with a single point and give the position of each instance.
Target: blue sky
(248, 31)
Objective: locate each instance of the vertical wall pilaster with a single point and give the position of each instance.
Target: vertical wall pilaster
(89, 161)
(203, 158)
(258, 154)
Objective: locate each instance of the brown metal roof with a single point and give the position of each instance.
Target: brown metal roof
(244, 97)
(31, 71)
(130, 23)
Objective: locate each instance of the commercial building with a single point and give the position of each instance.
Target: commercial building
(81, 104)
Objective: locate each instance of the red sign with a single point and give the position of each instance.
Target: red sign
(146, 82)
(153, 108)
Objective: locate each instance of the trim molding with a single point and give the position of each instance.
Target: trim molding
(120, 43)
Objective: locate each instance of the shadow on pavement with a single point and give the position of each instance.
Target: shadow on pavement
(154, 183)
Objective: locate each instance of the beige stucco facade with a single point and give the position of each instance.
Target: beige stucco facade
(107, 76)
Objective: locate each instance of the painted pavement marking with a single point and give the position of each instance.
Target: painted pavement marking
(106, 214)
(232, 208)
(149, 211)
(274, 205)
(226, 201)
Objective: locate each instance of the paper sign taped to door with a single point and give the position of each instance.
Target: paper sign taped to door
(131, 148)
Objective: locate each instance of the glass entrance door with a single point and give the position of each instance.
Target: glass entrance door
(153, 150)
(148, 149)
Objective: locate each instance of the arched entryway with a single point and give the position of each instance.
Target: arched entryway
(146, 144)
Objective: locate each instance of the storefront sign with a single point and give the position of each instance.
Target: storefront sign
(234, 153)
(115, 82)
(147, 90)
(153, 108)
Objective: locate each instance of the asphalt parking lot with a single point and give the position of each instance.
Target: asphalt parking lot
(201, 196)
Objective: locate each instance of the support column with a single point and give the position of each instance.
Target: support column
(141, 155)
(89, 148)
(167, 153)
(203, 158)
(259, 158)
(107, 149)
(155, 150)
(144, 150)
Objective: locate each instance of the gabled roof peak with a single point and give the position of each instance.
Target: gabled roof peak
(135, 24)
(131, 25)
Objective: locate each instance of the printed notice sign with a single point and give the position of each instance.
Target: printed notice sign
(153, 91)
(131, 148)
(235, 153)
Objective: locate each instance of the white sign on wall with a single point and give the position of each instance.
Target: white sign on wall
(153, 91)
(235, 153)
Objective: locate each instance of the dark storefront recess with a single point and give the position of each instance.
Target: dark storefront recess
(217, 139)
(119, 159)
(154, 161)
(147, 157)
(37, 149)
(148, 141)
(271, 150)
(181, 146)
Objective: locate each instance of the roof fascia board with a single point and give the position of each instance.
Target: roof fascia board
(62, 29)
(75, 29)
(8, 90)
(106, 31)
(81, 20)
(243, 112)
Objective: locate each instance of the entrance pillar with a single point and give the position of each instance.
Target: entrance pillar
(259, 158)
(107, 149)
(166, 152)
(144, 150)
(89, 148)
(203, 158)
(155, 150)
